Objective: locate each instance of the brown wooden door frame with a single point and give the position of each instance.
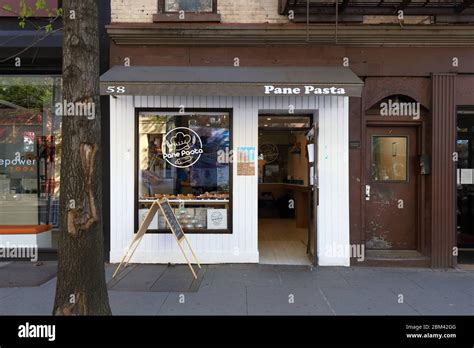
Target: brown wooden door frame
(421, 186)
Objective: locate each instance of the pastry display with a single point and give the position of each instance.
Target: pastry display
(208, 195)
(189, 196)
(185, 217)
(190, 218)
(201, 218)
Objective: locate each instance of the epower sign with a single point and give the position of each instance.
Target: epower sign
(19, 163)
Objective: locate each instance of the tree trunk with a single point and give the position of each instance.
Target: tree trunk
(81, 287)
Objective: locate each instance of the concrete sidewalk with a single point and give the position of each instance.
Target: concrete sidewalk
(283, 290)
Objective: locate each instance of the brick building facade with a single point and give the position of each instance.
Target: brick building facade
(423, 56)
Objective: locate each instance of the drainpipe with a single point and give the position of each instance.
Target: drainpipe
(307, 20)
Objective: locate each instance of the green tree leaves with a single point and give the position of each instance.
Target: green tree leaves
(25, 12)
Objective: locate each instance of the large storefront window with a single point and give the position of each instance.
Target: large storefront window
(181, 157)
(465, 184)
(30, 136)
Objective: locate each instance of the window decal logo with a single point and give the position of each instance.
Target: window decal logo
(268, 152)
(182, 147)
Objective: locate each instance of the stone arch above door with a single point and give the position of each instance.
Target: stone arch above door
(376, 89)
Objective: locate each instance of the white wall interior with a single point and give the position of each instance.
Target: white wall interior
(242, 245)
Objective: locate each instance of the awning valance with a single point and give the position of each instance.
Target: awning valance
(230, 81)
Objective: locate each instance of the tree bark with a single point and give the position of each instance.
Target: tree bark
(81, 288)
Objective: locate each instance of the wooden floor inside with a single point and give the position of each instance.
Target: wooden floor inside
(280, 242)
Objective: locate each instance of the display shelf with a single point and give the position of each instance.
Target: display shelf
(189, 201)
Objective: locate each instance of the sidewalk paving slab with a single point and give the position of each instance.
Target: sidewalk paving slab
(246, 289)
(255, 276)
(137, 278)
(210, 300)
(286, 301)
(28, 301)
(352, 301)
(435, 302)
(136, 303)
(23, 274)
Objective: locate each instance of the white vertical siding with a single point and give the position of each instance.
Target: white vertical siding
(333, 163)
(122, 149)
(242, 244)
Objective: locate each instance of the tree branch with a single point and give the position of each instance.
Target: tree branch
(32, 45)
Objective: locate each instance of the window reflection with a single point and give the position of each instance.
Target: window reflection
(30, 137)
(188, 5)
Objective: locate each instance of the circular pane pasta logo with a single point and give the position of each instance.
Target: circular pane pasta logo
(182, 147)
(269, 152)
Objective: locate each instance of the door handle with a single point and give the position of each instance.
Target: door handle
(367, 192)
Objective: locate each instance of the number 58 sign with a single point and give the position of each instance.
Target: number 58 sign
(116, 89)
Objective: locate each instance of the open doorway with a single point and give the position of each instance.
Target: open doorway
(285, 189)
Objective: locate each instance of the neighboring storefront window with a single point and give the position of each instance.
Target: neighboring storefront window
(465, 183)
(189, 5)
(30, 137)
(180, 159)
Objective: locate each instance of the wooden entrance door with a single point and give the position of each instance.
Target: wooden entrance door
(391, 191)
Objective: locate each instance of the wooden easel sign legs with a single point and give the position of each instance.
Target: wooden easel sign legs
(176, 229)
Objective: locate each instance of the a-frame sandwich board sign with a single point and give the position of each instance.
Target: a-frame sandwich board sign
(176, 230)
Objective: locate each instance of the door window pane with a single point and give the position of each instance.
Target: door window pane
(188, 5)
(389, 158)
